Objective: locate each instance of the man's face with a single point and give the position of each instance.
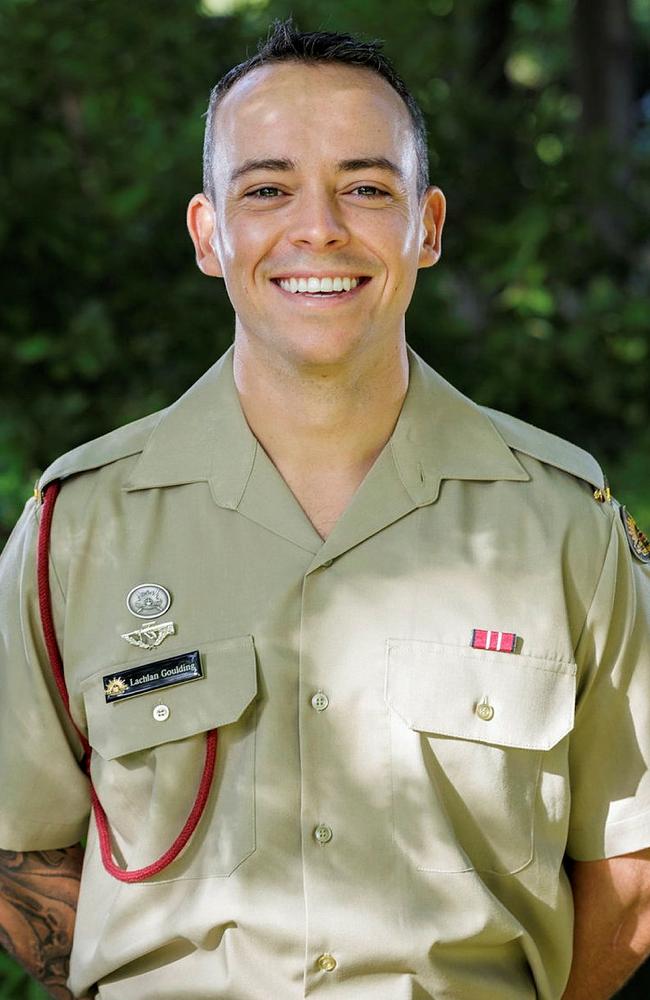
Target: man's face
(306, 209)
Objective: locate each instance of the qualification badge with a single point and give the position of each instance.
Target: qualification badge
(150, 636)
(639, 543)
(148, 600)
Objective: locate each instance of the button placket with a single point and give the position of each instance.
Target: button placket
(319, 795)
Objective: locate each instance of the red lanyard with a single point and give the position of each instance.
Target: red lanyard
(45, 604)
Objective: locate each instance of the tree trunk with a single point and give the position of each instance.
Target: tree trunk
(602, 44)
(493, 24)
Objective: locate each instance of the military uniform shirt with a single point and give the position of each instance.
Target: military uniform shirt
(391, 806)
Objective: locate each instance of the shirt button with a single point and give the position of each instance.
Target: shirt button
(323, 834)
(485, 711)
(326, 963)
(320, 701)
(160, 713)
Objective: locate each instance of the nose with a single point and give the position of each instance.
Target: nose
(318, 221)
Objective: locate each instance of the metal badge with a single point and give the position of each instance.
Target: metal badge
(638, 542)
(148, 600)
(151, 635)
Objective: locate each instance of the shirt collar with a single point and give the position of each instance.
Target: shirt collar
(440, 434)
(202, 437)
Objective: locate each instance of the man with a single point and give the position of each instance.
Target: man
(416, 629)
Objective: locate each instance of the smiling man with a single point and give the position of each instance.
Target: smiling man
(317, 215)
(357, 671)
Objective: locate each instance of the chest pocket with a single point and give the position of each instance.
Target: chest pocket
(472, 734)
(147, 763)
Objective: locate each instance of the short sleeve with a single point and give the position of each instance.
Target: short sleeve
(45, 797)
(610, 743)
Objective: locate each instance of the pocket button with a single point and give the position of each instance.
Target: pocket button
(485, 711)
(161, 713)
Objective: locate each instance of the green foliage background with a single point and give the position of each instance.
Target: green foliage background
(539, 305)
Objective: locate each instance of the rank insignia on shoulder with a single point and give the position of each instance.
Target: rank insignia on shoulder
(638, 542)
(497, 642)
(604, 495)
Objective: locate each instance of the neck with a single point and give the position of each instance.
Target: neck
(320, 418)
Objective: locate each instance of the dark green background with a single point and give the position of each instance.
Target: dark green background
(539, 137)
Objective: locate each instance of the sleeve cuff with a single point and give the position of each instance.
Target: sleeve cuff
(33, 836)
(622, 836)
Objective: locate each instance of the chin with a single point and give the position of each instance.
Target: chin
(327, 351)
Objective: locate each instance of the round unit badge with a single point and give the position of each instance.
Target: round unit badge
(148, 600)
(639, 543)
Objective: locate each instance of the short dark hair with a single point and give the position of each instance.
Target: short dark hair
(285, 43)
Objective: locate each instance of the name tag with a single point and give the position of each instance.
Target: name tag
(161, 674)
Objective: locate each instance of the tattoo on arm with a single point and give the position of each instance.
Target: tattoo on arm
(38, 902)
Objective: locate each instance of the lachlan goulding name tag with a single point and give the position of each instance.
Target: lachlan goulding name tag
(162, 674)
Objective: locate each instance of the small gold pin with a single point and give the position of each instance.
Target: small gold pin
(38, 496)
(604, 495)
(115, 687)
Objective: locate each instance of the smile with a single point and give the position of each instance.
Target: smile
(314, 286)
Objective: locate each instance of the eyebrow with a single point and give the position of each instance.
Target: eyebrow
(343, 166)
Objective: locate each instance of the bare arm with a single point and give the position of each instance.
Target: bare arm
(612, 924)
(38, 902)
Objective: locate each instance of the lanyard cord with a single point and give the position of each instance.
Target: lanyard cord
(52, 646)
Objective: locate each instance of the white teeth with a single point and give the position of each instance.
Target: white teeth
(314, 285)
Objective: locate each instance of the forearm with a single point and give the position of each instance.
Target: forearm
(38, 903)
(612, 925)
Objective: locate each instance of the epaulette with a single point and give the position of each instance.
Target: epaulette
(120, 443)
(549, 448)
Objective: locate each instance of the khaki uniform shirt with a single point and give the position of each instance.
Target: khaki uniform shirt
(391, 806)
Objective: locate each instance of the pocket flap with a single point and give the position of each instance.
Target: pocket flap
(438, 689)
(219, 697)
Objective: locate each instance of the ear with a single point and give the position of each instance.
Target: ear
(433, 208)
(201, 223)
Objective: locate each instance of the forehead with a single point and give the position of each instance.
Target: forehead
(291, 109)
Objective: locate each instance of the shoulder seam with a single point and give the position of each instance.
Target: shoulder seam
(547, 447)
(104, 450)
